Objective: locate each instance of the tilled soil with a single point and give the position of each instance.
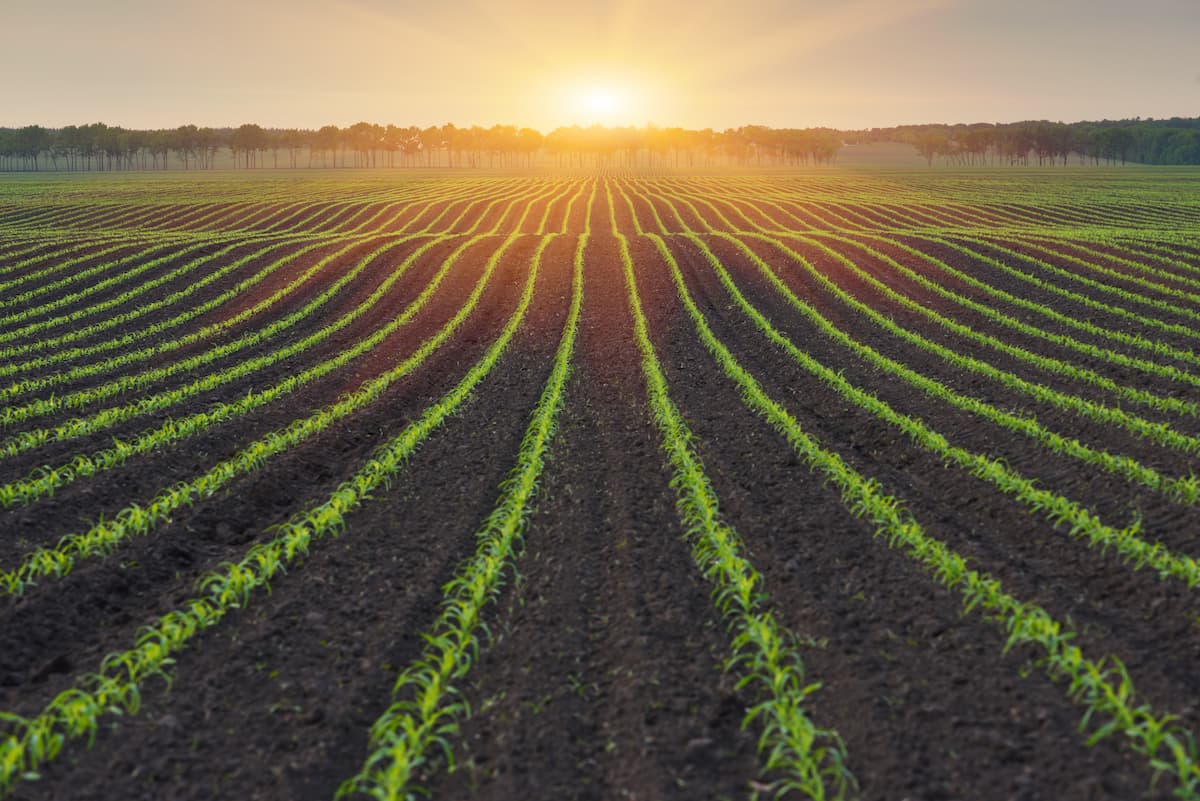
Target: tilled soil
(628, 700)
(603, 674)
(923, 697)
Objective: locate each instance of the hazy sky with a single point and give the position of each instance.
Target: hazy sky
(544, 63)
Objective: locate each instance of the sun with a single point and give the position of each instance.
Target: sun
(600, 101)
(613, 98)
(607, 105)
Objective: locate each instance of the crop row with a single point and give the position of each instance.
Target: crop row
(102, 537)
(116, 686)
(75, 713)
(865, 271)
(47, 479)
(86, 397)
(804, 757)
(1103, 687)
(1157, 431)
(84, 331)
(379, 212)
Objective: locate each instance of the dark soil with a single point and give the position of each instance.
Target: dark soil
(604, 675)
(902, 669)
(628, 699)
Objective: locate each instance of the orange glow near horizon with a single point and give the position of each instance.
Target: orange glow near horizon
(628, 94)
(602, 104)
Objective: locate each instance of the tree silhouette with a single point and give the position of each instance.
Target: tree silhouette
(97, 146)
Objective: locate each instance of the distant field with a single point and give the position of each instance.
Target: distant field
(880, 155)
(853, 482)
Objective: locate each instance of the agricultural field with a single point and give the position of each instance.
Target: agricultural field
(836, 483)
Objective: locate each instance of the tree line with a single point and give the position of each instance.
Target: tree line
(1173, 141)
(100, 147)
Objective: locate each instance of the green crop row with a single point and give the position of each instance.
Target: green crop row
(43, 481)
(1160, 433)
(21, 299)
(192, 218)
(1061, 511)
(116, 687)
(1162, 403)
(158, 402)
(293, 218)
(429, 704)
(1103, 286)
(805, 758)
(105, 535)
(1155, 346)
(81, 216)
(1116, 258)
(126, 359)
(61, 354)
(427, 713)
(86, 397)
(1157, 432)
(92, 310)
(82, 398)
(139, 289)
(299, 221)
(1172, 253)
(63, 251)
(1102, 687)
(1184, 490)
(111, 266)
(915, 215)
(1084, 325)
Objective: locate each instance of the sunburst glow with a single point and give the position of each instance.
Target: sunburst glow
(600, 101)
(603, 104)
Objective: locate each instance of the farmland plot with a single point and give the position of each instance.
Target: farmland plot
(828, 484)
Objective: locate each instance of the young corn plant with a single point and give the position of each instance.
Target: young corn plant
(1135, 395)
(135, 520)
(429, 705)
(1110, 333)
(798, 756)
(1102, 687)
(105, 535)
(160, 401)
(1063, 512)
(116, 687)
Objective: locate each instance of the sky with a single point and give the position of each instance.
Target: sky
(545, 63)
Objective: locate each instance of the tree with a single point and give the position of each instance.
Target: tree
(246, 142)
(326, 141)
(933, 142)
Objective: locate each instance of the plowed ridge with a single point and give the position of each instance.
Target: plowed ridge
(898, 498)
